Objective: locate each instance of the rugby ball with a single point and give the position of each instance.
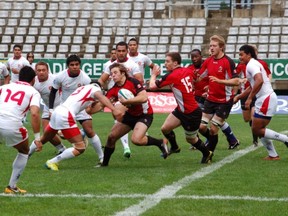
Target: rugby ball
(125, 93)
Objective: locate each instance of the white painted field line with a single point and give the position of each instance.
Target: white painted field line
(220, 197)
(142, 196)
(170, 190)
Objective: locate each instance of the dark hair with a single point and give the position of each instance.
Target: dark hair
(122, 43)
(72, 58)
(133, 39)
(26, 74)
(113, 49)
(196, 50)
(248, 50)
(42, 63)
(175, 56)
(121, 67)
(17, 46)
(28, 54)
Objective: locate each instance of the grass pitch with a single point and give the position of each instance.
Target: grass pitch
(238, 182)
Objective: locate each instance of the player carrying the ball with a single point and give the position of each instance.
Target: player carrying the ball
(138, 116)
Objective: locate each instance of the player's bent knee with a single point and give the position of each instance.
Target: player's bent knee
(80, 146)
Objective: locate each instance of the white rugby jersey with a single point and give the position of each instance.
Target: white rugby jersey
(142, 61)
(253, 67)
(69, 84)
(81, 98)
(44, 89)
(17, 64)
(3, 70)
(131, 66)
(15, 100)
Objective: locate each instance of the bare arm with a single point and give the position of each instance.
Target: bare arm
(35, 123)
(141, 97)
(139, 76)
(258, 82)
(7, 79)
(230, 82)
(152, 83)
(103, 79)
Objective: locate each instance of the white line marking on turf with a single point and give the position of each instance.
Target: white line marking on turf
(141, 196)
(170, 190)
(220, 197)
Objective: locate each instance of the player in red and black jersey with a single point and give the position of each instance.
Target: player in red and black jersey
(200, 93)
(138, 116)
(219, 99)
(187, 113)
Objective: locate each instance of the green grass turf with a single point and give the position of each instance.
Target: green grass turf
(126, 181)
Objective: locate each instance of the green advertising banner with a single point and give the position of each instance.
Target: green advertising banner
(94, 67)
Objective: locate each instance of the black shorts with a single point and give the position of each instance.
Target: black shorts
(222, 110)
(243, 100)
(131, 120)
(190, 121)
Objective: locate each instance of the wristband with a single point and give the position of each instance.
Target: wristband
(50, 110)
(37, 136)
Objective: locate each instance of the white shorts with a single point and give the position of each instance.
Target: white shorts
(45, 113)
(13, 135)
(266, 105)
(61, 118)
(83, 115)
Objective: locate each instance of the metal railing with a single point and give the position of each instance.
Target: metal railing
(209, 5)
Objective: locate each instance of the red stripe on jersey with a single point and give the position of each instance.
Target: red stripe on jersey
(71, 120)
(264, 107)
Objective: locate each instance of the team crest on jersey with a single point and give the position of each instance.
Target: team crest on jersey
(220, 69)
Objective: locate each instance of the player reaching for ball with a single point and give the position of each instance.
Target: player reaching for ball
(138, 116)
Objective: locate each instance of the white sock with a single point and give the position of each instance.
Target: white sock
(268, 144)
(270, 134)
(124, 140)
(18, 166)
(60, 147)
(67, 154)
(96, 143)
(32, 148)
(224, 126)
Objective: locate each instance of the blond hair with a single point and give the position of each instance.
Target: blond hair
(219, 39)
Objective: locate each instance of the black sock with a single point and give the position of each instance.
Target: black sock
(154, 141)
(107, 154)
(201, 147)
(172, 140)
(213, 140)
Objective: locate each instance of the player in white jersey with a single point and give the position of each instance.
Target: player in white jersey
(113, 57)
(15, 63)
(5, 73)
(43, 84)
(266, 100)
(134, 71)
(68, 81)
(64, 118)
(30, 59)
(139, 58)
(132, 67)
(15, 100)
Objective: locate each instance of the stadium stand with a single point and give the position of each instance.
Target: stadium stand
(91, 28)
